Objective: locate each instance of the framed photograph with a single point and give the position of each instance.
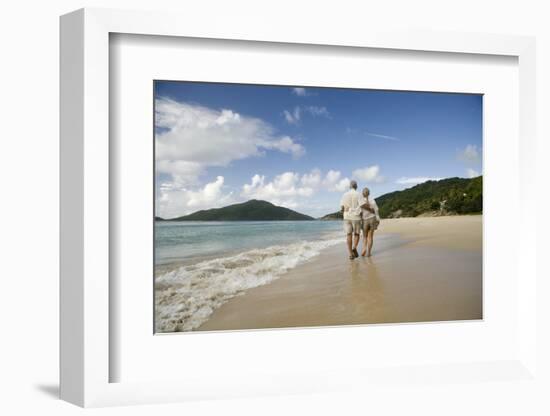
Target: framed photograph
(262, 214)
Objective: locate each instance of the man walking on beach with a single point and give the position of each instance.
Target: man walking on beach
(351, 208)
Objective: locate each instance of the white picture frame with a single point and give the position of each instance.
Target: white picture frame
(85, 211)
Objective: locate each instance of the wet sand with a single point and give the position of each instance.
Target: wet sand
(422, 269)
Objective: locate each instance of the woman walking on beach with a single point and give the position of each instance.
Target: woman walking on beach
(370, 219)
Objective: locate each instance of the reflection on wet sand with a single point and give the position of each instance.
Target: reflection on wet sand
(366, 290)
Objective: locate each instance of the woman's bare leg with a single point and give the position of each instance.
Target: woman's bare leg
(365, 236)
(370, 241)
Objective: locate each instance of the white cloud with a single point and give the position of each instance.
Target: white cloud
(183, 173)
(289, 189)
(300, 92)
(382, 136)
(312, 179)
(207, 195)
(332, 176)
(334, 182)
(294, 116)
(471, 154)
(350, 130)
(192, 138)
(317, 111)
(286, 145)
(415, 180)
(471, 173)
(195, 137)
(282, 190)
(370, 174)
(174, 201)
(342, 185)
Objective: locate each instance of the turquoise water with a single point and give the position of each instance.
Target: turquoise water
(202, 265)
(177, 242)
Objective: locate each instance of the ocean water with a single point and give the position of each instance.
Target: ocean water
(201, 265)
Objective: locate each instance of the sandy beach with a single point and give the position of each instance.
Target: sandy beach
(422, 269)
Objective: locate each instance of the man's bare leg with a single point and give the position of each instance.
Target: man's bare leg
(356, 242)
(348, 240)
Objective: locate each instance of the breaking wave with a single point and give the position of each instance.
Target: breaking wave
(186, 297)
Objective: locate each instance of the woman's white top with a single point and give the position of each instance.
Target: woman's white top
(366, 213)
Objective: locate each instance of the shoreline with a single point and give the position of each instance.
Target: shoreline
(422, 269)
(171, 261)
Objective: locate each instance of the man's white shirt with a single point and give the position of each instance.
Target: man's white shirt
(351, 201)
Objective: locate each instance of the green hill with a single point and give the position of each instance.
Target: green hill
(253, 210)
(445, 197)
(332, 217)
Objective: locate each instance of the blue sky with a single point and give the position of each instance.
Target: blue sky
(218, 144)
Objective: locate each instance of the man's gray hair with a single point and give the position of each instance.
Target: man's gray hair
(353, 184)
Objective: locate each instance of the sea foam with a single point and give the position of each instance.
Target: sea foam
(186, 297)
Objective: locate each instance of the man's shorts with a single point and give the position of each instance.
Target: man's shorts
(370, 224)
(352, 226)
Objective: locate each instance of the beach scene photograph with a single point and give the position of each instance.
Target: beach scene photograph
(295, 207)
